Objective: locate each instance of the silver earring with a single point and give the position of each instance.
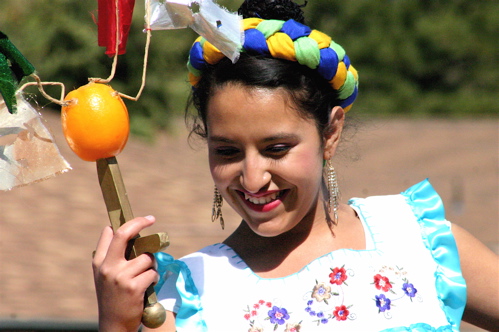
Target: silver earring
(332, 190)
(216, 213)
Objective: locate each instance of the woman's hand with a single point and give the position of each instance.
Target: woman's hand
(120, 284)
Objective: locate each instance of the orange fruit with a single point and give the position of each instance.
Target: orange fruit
(95, 122)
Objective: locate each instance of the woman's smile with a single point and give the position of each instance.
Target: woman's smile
(263, 202)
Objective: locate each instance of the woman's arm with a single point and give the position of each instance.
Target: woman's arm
(480, 268)
(120, 284)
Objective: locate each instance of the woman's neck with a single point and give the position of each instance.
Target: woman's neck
(282, 255)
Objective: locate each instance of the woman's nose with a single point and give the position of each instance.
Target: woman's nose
(254, 175)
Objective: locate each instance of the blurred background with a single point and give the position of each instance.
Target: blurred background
(429, 81)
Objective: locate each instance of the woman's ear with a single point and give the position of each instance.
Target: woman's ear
(332, 133)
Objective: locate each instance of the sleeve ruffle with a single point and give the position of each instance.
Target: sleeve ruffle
(428, 207)
(189, 310)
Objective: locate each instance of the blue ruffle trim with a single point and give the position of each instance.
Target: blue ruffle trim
(420, 327)
(437, 236)
(189, 313)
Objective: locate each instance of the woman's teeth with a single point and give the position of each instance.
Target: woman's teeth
(263, 199)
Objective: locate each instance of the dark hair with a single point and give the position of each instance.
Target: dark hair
(272, 10)
(311, 93)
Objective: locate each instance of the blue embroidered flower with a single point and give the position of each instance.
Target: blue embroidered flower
(278, 315)
(409, 289)
(382, 302)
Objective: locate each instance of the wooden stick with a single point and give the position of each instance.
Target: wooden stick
(120, 211)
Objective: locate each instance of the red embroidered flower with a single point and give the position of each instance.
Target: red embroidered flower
(254, 313)
(247, 316)
(341, 313)
(382, 283)
(338, 276)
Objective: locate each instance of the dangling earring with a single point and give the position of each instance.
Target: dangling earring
(216, 213)
(332, 190)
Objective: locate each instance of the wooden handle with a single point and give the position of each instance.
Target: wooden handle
(120, 211)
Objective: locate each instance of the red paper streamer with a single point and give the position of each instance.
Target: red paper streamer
(107, 24)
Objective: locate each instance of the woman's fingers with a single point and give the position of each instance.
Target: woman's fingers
(124, 234)
(102, 246)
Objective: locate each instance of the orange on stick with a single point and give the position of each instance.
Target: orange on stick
(95, 121)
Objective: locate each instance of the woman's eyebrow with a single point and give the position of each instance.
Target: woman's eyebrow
(276, 137)
(220, 139)
(280, 136)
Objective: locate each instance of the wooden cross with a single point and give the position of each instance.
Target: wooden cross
(119, 210)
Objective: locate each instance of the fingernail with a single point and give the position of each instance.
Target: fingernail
(150, 218)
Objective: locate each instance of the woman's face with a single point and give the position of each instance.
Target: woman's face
(265, 159)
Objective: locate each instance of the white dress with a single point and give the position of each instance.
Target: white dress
(407, 279)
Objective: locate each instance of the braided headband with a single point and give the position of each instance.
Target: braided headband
(288, 40)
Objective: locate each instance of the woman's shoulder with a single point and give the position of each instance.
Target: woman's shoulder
(420, 200)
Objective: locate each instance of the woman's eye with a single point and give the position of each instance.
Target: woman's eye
(278, 149)
(226, 152)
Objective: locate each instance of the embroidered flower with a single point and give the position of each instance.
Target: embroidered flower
(382, 302)
(338, 276)
(292, 328)
(341, 313)
(382, 283)
(409, 290)
(278, 315)
(321, 292)
(255, 329)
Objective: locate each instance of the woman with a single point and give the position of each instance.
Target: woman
(299, 260)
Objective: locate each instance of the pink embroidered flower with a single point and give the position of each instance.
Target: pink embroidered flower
(247, 316)
(253, 313)
(338, 276)
(321, 292)
(261, 302)
(382, 283)
(292, 328)
(269, 304)
(341, 313)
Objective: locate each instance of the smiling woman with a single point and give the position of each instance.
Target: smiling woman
(299, 260)
(269, 172)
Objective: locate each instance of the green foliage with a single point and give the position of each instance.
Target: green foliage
(415, 58)
(418, 58)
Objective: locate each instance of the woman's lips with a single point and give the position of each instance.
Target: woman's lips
(263, 202)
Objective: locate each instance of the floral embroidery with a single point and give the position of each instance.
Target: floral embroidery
(292, 328)
(263, 312)
(382, 283)
(409, 290)
(328, 301)
(341, 313)
(321, 292)
(278, 315)
(319, 306)
(338, 276)
(382, 302)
